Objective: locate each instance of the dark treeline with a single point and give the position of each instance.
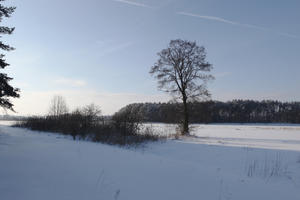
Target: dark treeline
(236, 111)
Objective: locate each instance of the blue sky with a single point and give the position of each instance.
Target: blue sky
(101, 50)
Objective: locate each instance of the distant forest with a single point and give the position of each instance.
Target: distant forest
(236, 111)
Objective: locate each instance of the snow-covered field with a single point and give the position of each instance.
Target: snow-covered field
(221, 162)
(283, 136)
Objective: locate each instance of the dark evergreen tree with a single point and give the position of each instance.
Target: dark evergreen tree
(6, 90)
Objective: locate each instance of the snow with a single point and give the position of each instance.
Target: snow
(285, 137)
(220, 162)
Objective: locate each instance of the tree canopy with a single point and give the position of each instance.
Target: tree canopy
(182, 70)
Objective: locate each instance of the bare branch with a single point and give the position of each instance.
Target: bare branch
(182, 71)
(182, 65)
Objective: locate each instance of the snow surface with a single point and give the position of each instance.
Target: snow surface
(47, 166)
(272, 136)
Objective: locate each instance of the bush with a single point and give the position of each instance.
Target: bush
(86, 123)
(127, 121)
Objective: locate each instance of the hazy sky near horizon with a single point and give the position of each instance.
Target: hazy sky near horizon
(101, 51)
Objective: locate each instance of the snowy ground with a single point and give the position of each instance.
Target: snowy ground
(219, 163)
(280, 136)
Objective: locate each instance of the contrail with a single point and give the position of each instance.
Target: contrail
(133, 3)
(222, 20)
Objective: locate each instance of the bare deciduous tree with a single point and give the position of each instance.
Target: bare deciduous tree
(92, 110)
(92, 113)
(58, 106)
(182, 70)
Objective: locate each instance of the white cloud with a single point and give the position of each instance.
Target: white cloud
(116, 47)
(35, 103)
(222, 20)
(70, 82)
(133, 3)
(111, 46)
(229, 94)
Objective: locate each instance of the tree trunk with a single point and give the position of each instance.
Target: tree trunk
(185, 127)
